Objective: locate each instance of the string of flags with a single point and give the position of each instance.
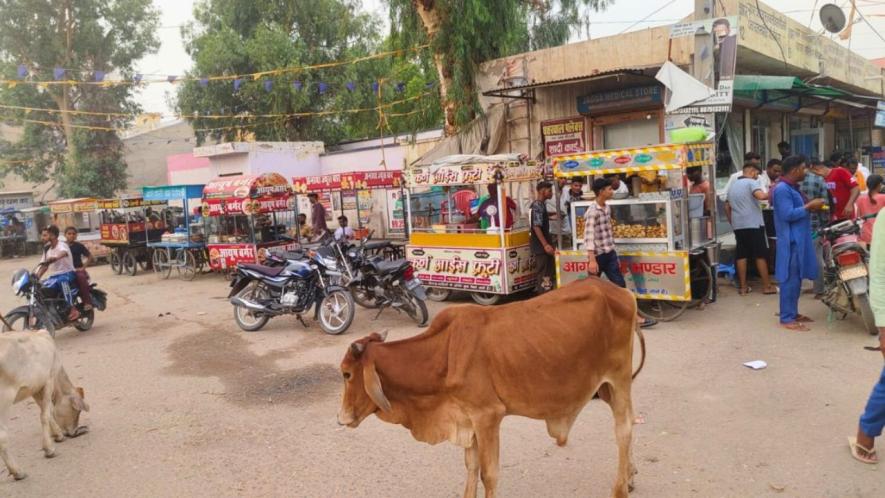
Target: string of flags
(64, 77)
(113, 115)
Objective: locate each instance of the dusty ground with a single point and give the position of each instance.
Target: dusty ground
(184, 404)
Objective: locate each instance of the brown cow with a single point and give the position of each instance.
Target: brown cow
(544, 358)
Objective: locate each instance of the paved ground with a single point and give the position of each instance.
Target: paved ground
(184, 404)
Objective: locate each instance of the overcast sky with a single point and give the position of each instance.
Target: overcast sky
(623, 15)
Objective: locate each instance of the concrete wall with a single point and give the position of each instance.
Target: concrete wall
(363, 160)
(146, 153)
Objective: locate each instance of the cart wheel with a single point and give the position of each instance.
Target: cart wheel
(662, 311)
(116, 263)
(437, 294)
(701, 282)
(188, 269)
(162, 265)
(130, 266)
(485, 299)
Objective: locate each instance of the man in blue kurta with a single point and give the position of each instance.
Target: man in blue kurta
(795, 251)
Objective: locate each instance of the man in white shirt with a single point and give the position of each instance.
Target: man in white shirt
(343, 233)
(58, 261)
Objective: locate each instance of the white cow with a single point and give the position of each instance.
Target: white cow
(30, 366)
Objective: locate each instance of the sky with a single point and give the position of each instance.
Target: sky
(624, 15)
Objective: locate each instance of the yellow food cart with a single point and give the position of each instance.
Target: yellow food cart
(451, 246)
(665, 241)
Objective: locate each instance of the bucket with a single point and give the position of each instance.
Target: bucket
(699, 233)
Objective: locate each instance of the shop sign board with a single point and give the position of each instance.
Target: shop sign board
(224, 256)
(396, 221)
(521, 269)
(635, 159)
(470, 269)
(619, 100)
(563, 136)
(662, 275)
(877, 159)
(473, 174)
(880, 114)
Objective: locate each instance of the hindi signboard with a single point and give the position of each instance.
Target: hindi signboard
(662, 276)
(563, 136)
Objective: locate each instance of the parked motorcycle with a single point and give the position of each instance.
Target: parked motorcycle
(846, 274)
(47, 308)
(291, 284)
(386, 284)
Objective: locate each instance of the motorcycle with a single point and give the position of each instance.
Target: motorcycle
(386, 284)
(291, 284)
(47, 308)
(846, 272)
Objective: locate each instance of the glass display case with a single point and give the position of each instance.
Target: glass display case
(644, 225)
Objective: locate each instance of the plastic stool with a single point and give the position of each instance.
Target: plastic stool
(726, 270)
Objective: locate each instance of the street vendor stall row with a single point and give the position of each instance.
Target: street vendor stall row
(246, 215)
(80, 214)
(664, 239)
(128, 224)
(458, 238)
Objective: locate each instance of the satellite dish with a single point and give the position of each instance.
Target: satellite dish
(832, 17)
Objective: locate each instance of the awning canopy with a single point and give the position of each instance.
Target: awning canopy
(356, 180)
(246, 195)
(756, 82)
(791, 93)
(81, 205)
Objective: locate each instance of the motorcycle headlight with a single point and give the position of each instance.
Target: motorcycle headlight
(20, 279)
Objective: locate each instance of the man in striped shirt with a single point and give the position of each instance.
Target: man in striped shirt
(599, 239)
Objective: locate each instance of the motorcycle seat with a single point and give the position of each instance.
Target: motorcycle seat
(379, 244)
(384, 267)
(269, 271)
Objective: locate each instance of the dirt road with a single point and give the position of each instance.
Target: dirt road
(184, 404)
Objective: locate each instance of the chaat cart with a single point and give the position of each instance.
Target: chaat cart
(665, 241)
(80, 214)
(356, 182)
(245, 216)
(127, 225)
(182, 245)
(452, 250)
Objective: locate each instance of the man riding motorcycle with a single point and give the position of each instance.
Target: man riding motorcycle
(58, 261)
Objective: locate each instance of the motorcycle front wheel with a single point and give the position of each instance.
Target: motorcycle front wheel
(336, 312)
(247, 319)
(862, 304)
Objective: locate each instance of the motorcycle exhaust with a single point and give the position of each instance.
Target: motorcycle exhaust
(249, 305)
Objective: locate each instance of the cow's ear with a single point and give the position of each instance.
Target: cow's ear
(383, 335)
(79, 403)
(372, 383)
(356, 349)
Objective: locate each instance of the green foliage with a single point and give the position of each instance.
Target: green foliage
(234, 37)
(469, 32)
(81, 36)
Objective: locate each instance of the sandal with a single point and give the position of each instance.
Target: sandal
(770, 292)
(795, 327)
(855, 448)
(803, 319)
(746, 291)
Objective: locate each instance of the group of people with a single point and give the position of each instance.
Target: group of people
(317, 226)
(805, 195)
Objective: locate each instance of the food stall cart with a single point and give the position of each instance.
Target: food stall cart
(246, 215)
(666, 247)
(12, 233)
(127, 225)
(451, 252)
(80, 214)
(354, 183)
(182, 245)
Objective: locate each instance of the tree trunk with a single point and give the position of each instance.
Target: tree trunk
(430, 18)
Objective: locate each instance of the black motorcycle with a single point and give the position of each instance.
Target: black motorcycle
(47, 308)
(291, 284)
(383, 284)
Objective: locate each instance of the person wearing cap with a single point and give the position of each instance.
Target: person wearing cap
(599, 239)
(540, 241)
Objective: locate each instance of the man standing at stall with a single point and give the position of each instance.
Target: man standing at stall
(842, 186)
(574, 193)
(745, 215)
(599, 240)
(343, 233)
(542, 250)
(795, 253)
(814, 187)
(317, 214)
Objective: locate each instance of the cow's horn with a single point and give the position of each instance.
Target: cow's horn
(357, 349)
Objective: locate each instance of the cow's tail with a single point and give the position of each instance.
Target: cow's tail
(641, 346)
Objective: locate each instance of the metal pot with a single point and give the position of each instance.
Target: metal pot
(699, 230)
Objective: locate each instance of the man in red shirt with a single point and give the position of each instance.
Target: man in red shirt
(842, 187)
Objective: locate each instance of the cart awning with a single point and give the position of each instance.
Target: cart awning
(356, 180)
(126, 203)
(474, 173)
(749, 83)
(246, 195)
(172, 192)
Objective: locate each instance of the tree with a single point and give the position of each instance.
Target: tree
(84, 38)
(464, 33)
(239, 37)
